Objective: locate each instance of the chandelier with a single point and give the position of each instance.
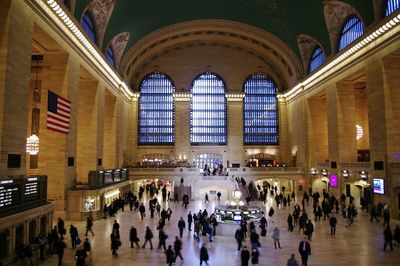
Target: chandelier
(32, 144)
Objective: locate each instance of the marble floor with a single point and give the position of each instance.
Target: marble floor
(359, 244)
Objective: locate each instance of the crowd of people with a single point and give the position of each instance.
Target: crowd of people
(325, 207)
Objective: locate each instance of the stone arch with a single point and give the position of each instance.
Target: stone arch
(275, 56)
(307, 45)
(101, 11)
(336, 13)
(118, 44)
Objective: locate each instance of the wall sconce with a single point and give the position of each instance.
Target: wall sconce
(32, 145)
(313, 171)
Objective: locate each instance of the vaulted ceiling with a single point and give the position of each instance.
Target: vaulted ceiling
(298, 25)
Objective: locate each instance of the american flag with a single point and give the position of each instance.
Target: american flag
(58, 113)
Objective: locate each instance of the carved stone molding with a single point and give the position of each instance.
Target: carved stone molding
(307, 45)
(101, 11)
(336, 13)
(118, 44)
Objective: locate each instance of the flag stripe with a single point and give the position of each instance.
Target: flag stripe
(57, 122)
(58, 113)
(58, 117)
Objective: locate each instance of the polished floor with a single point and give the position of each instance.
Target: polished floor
(359, 244)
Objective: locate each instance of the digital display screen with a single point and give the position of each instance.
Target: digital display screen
(334, 181)
(237, 218)
(379, 186)
(108, 176)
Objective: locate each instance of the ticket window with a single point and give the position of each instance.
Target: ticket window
(89, 204)
(110, 196)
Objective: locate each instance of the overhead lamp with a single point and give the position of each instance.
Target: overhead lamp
(346, 173)
(314, 171)
(324, 172)
(363, 175)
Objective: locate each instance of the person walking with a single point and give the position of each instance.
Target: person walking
(42, 243)
(304, 250)
(204, 255)
(333, 222)
(397, 234)
(263, 226)
(89, 225)
(61, 228)
(169, 253)
(80, 256)
(386, 216)
(116, 227)
(211, 231)
(142, 211)
(190, 220)
(374, 214)
(59, 247)
(290, 222)
(162, 237)
(239, 236)
(292, 261)
(177, 248)
(206, 198)
(181, 226)
(254, 256)
(245, 256)
(276, 235)
(388, 237)
(115, 242)
(148, 237)
(133, 237)
(86, 246)
(73, 231)
(309, 229)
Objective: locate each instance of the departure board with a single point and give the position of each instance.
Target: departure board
(31, 189)
(9, 193)
(22, 193)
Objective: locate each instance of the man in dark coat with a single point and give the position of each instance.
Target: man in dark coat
(333, 222)
(203, 255)
(162, 237)
(169, 253)
(239, 236)
(59, 247)
(245, 256)
(388, 236)
(133, 237)
(304, 250)
(177, 248)
(148, 236)
(181, 226)
(73, 231)
(190, 220)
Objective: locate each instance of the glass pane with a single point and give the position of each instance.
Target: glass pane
(317, 58)
(392, 5)
(156, 110)
(260, 111)
(351, 31)
(208, 111)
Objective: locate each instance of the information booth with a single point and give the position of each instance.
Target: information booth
(103, 187)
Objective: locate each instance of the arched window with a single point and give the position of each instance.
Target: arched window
(110, 55)
(88, 25)
(392, 5)
(317, 58)
(208, 111)
(352, 30)
(156, 110)
(260, 111)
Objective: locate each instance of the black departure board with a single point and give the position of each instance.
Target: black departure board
(31, 189)
(102, 178)
(9, 193)
(21, 193)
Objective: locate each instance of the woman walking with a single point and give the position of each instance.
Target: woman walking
(276, 236)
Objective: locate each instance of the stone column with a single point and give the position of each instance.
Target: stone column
(182, 129)
(110, 131)
(235, 131)
(15, 63)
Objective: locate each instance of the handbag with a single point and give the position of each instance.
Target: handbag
(78, 241)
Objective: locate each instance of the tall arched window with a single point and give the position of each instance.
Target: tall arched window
(208, 111)
(88, 25)
(260, 111)
(110, 55)
(392, 5)
(351, 31)
(317, 58)
(156, 110)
